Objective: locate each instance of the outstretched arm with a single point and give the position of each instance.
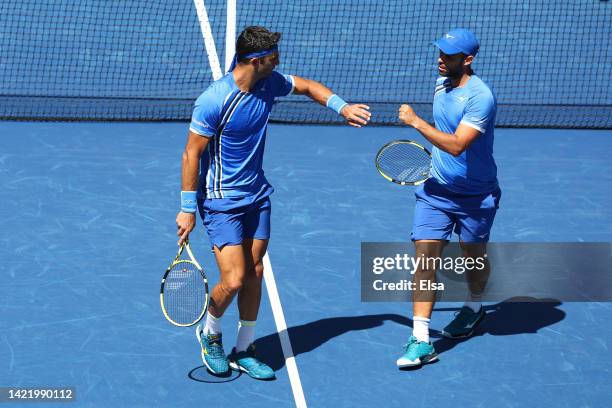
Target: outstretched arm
(185, 220)
(356, 115)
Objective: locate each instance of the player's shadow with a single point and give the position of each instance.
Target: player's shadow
(309, 336)
(512, 316)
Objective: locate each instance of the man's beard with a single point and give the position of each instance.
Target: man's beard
(452, 74)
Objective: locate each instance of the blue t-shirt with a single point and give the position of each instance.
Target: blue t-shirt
(473, 171)
(236, 123)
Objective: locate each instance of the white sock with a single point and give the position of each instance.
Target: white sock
(213, 324)
(474, 302)
(246, 335)
(420, 328)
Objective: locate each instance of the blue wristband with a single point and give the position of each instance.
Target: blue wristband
(336, 103)
(188, 201)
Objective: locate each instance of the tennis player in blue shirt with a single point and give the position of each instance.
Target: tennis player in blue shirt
(222, 172)
(462, 193)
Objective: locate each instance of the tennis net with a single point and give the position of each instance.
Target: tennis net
(549, 63)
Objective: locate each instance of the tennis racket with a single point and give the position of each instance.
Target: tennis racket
(404, 162)
(184, 290)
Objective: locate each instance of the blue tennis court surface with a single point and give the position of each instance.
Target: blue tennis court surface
(87, 221)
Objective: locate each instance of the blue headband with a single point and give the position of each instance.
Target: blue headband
(257, 54)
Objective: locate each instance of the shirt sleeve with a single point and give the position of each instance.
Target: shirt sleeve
(480, 112)
(281, 84)
(206, 117)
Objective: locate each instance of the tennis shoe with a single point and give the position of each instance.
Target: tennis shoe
(247, 361)
(416, 353)
(464, 323)
(213, 355)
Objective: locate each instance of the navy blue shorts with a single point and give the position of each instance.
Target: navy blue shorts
(228, 224)
(439, 212)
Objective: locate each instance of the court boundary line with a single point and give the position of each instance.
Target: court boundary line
(281, 328)
(209, 40)
(230, 34)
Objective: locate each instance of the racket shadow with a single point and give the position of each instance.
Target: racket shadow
(201, 374)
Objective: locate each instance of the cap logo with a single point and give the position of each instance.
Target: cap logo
(449, 36)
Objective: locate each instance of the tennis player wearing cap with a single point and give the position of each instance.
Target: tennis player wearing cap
(222, 172)
(462, 193)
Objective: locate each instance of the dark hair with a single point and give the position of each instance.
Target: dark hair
(254, 39)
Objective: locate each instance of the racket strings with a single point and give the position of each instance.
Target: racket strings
(184, 293)
(405, 162)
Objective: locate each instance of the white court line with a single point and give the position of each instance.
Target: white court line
(209, 40)
(281, 327)
(230, 34)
